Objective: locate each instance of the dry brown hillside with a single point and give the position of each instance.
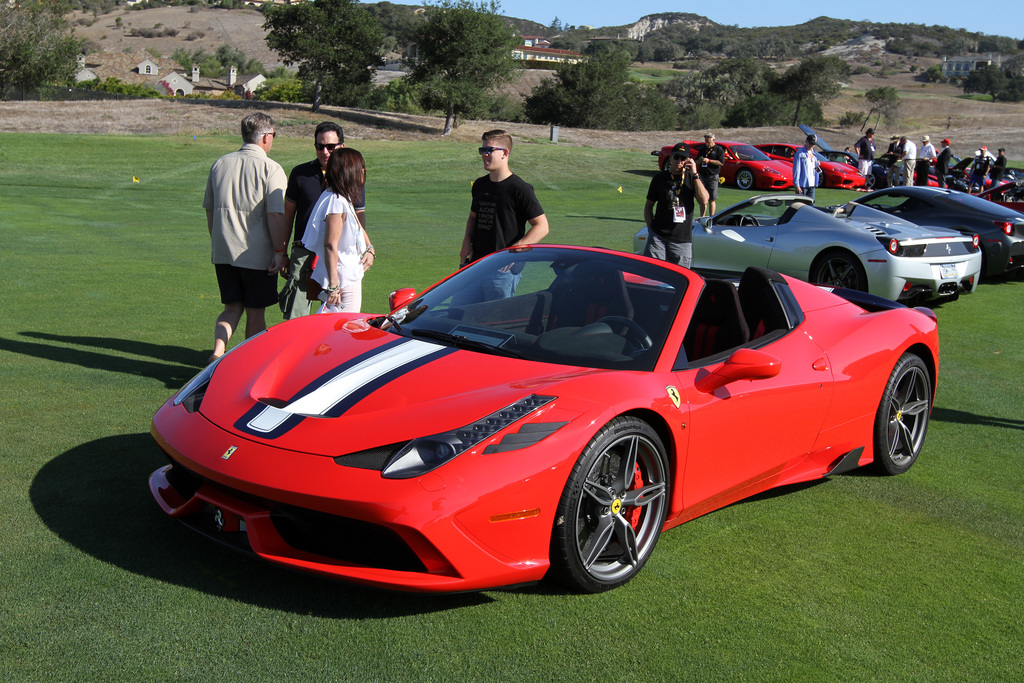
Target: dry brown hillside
(928, 108)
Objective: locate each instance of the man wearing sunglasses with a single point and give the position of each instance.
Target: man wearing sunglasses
(304, 187)
(668, 212)
(503, 205)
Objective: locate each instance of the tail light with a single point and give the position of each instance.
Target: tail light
(976, 241)
(894, 246)
(1005, 226)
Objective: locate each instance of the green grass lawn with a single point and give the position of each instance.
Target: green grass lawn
(108, 304)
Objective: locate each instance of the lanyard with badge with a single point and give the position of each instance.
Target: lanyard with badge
(678, 211)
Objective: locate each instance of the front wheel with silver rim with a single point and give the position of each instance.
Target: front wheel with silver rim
(902, 418)
(745, 179)
(612, 509)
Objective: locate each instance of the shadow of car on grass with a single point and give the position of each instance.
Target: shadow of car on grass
(95, 497)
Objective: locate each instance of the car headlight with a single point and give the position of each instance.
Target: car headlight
(770, 171)
(191, 395)
(428, 453)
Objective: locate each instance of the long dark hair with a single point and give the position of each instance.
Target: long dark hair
(345, 173)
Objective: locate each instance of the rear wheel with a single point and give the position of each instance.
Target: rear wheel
(611, 512)
(745, 179)
(839, 268)
(869, 181)
(902, 418)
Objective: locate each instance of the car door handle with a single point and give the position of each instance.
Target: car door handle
(769, 239)
(821, 365)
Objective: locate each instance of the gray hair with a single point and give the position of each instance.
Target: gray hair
(254, 126)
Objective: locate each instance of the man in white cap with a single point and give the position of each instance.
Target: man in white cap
(925, 160)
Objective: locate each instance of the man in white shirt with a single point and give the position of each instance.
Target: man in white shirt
(909, 158)
(924, 163)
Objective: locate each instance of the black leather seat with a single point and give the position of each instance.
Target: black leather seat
(762, 309)
(718, 323)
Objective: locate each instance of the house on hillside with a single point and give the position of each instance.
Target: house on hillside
(125, 67)
(959, 67)
(546, 54)
(160, 73)
(181, 85)
(536, 41)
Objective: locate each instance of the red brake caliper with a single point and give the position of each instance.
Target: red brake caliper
(638, 481)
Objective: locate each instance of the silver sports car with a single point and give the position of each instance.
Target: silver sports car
(850, 245)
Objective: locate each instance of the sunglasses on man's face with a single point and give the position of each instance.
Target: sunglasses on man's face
(491, 150)
(329, 146)
(678, 157)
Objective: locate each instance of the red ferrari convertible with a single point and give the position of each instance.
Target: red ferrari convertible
(545, 411)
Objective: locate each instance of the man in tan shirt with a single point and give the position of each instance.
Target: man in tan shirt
(244, 205)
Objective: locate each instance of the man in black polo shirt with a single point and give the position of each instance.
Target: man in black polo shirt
(710, 158)
(304, 187)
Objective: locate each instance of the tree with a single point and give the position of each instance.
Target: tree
(336, 45)
(885, 101)
(597, 93)
(991, 80)
(465, 51)
(36, 44)
(814, 78)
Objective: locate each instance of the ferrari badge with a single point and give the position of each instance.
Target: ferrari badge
(673, 394)
(229, 452)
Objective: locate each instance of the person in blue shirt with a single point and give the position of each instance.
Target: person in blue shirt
(806, 168)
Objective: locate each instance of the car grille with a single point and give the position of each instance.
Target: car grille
(348, 540)
(330, 536)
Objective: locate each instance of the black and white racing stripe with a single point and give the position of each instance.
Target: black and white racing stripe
(336, 391)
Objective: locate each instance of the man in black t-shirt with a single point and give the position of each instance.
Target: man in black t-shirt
(668, 212)
(710, 159)
(503, 205)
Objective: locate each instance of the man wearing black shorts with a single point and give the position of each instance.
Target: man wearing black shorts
(710, 158)
(244, 205)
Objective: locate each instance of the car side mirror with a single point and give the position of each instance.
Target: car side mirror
(743, 364)
(400, 297)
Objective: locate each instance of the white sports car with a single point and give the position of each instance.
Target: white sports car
(850, 245)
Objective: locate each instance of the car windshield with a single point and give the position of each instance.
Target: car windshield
(748, 153)
(555, 305)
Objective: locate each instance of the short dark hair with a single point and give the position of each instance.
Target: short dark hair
(330, 127)
(499, 135)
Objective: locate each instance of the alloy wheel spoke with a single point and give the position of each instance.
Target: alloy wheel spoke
(644, 495)
(599, 541)
(627, 539)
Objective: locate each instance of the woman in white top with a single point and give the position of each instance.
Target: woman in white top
(342, 247)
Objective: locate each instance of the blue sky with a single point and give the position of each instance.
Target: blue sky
(994, 18)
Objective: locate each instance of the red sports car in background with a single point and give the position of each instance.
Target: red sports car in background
(471, 440)
(833, 173)
(1010, 195)
(745, 166)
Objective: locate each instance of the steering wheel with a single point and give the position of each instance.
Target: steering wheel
(748, 221)
(637, 338)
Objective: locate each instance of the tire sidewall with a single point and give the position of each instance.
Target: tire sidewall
(566, 564)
